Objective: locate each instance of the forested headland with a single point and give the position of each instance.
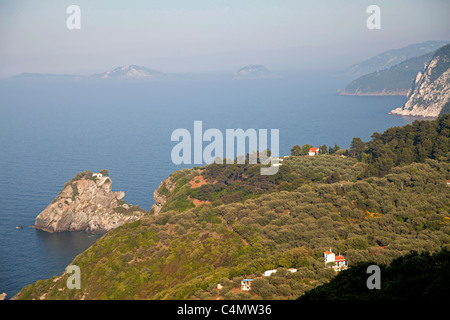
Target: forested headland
(374, 203)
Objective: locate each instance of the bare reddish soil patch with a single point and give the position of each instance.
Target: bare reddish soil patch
(197, 202)
(197, 181)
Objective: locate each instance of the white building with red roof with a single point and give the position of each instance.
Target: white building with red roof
(337, 262)
(313, 151)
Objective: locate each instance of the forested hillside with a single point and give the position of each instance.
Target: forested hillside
(220, 224)
(416, 142)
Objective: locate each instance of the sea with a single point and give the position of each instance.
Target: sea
(51, 129)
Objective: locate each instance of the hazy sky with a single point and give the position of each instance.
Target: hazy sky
(209, 35)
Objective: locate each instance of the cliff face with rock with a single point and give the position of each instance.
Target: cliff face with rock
(430, 90)
(161, 194)
(87, 203)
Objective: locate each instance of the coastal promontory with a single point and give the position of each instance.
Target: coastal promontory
(86, 203)
(429, 95)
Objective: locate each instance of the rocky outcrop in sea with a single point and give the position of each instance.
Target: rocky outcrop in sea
(86, 203)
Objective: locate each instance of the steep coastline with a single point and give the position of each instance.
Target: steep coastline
(161, 195)
(87, 203)
(430, 91)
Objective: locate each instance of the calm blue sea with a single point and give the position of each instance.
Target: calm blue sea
(49, 131)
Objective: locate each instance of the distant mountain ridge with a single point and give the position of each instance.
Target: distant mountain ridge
(393, 57)
(393, 81)
(123, 72)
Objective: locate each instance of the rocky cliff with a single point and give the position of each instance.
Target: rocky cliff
(430, 90)
(87, 203)
(161, 194)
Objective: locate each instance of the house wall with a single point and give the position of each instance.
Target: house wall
(269, 272)
(329, 257)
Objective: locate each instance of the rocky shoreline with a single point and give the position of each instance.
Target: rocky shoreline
(430, 91)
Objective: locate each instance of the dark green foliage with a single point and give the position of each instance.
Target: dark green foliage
(443, 62)
(75, 192)
(296, 150)
(357, 147)
(300, 151)
(320, 168)
(333, 150)
(80, 175)
(404, 145)
(235, 183)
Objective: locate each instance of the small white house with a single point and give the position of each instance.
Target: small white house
(313, 151)
(339, 261)
(246, 284)
(269, 272)
(276, 164)
(97, 174)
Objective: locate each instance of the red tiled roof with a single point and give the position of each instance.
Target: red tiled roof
(339, 258)
(313, 149)
(328, 252)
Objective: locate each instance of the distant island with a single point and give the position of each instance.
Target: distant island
(140, 73)
(254, 71)
(130, 72)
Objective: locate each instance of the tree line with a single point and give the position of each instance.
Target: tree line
(396, 146)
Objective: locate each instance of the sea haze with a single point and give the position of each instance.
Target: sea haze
(50, 130)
